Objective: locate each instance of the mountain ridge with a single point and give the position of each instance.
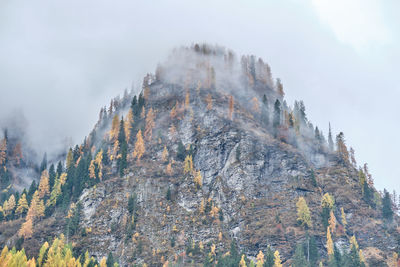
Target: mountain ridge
(238, 160)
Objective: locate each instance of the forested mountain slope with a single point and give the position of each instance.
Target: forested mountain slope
(207, 166)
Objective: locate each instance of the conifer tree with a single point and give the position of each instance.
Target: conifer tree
(139, 146)
(341, 147)
(330, 139)
(43, 165)
(255, 105)
(187, 99)
(92, 171)
(128, 125)
(231, 107)
(9, 205)
(277, 114)
(265, 111)
(3, 151)
(70, 159)
(52, 176)
(99, 163)
(198, 179)
(327, 203)
(164, 156)
(17, 153)
(277, 259)
(22, 206)
(209, 102)
(242, 262)
(188, 164)
(168, 169)
(332, 222)
(260, 259)
(36, 209)
(114, 128)
(123, 149)
(344, 221)
(329, 242)
(299, 260)
(56, 192)
(26, 229)
(172, 113)
(44, 184)
(149, 125)
(303, 213)
(387, 211)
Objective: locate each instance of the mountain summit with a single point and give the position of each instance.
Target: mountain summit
(210, 166)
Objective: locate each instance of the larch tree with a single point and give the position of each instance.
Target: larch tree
(139, 146)
(36, 209)
(56, 192)
(303, 213)
(255, 105)
(168, 169)
(329, 242)
(143, 113)
(173, 112)
(99, 163)
(341, 147)
(9, 205)
(70, 159)
(92, 171)
(260, 259)
(209, 102)
(26, 229)
(146, 93)
(187, 99)
(128, 125)
(44, 189)
(198, 179)
(114, 128)
(344, 221)
(164, 155)
(22, 206)
(242, 262)
(17, 153)
(149, 124)
(3, 151)
(231, 107)
(277, 259)
(188, 164)
(332, 222)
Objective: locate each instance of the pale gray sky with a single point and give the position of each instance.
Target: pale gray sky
(60, 61)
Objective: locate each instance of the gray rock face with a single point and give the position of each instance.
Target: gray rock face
(251, 178)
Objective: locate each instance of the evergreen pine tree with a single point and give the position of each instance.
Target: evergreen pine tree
(299, 259)
(181, 152)
(387, 211)
(43, 165)
(277, 116)
(123, 149)
(110, 260)
(60, 168)
(52, 176)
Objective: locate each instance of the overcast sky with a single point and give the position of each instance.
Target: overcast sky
(60, 61)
